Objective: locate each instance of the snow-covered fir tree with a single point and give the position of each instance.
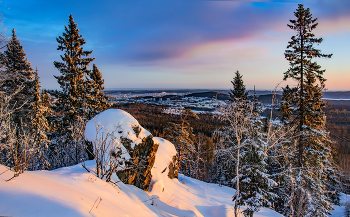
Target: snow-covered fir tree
(40, 108)
(17, 77)
(80, 99)
(224, 164)
(255, 182)
(310, 164)
(17, 86)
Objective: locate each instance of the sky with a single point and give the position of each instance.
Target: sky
(195, 44)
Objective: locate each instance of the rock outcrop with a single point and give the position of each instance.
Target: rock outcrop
(137, 147)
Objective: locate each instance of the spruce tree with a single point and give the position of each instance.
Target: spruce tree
(72, 99)
(98, 101)
(17, 79)
(73, 106)
(224, 163)
(255, 182)
(40, 108)
(311, 163)
(19, 85)
(238, 91)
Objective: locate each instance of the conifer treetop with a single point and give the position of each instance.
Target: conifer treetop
(15, 58)
(75, 59)
(238, 91)
(300, 49)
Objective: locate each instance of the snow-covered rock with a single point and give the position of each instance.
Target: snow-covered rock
(123, 133)
(119, 123)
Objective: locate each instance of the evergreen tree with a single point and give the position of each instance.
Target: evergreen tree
(98, 101)
(257, 106)
(238, 90)
(255, 182)
(19, 85)
(311, 164)
(17, 79)
(224, 163)
(255, 185)
(39, 124)
(72, 100)
(40, 108)
(79, 99)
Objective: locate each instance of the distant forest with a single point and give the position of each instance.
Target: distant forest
(155, 120)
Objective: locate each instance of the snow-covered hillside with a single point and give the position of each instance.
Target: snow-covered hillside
(73, 191)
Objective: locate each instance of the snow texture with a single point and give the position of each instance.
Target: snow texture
(73, 191)
(115, 121)
(119, 124)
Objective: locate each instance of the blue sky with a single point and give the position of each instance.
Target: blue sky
(182, 43)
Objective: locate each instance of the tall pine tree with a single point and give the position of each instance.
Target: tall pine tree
(311, 163)
(79, 99)
(72, 100)
(21, 84)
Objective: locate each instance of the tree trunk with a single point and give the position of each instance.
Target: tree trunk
(237, 183)
(301, 96)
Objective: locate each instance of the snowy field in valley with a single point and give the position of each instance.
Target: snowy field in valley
(73, 191)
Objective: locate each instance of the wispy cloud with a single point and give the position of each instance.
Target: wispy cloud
(172, 38)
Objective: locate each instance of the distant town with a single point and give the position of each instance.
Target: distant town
(203, 100)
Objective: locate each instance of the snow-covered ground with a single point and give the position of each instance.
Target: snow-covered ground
(73, 191)
(340, 210)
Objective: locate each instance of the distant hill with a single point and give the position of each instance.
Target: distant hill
(209, 94)
(266, 98)
(336, 94)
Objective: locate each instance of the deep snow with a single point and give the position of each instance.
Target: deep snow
(73, 191)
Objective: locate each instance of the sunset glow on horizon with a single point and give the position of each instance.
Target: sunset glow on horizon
(181, 44)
